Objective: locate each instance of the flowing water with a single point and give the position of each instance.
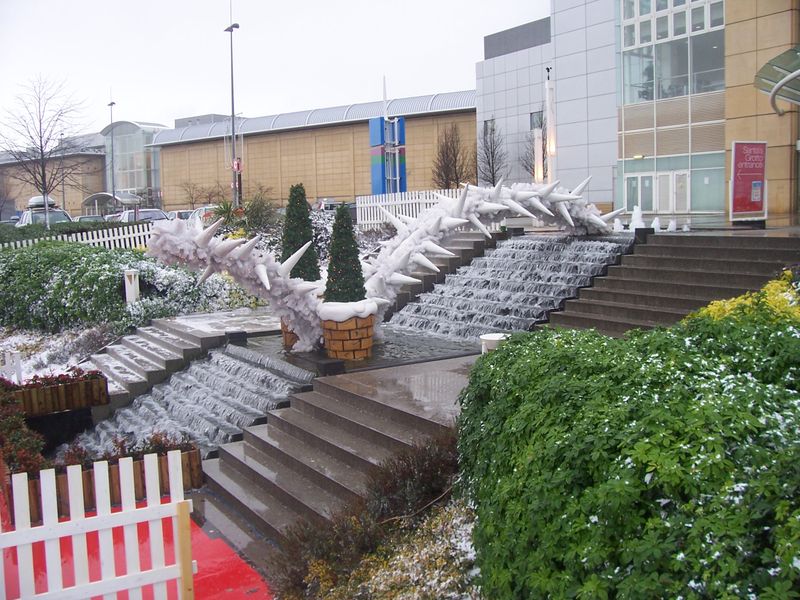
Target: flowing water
(512, 287)
(210, 401)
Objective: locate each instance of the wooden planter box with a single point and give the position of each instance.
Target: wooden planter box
(192, 479)
(349, 340)
(68, 396)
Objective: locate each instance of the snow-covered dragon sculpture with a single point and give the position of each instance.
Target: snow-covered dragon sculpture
(299, 302)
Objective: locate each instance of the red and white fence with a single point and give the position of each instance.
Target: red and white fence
(108, 532)
(129, 236)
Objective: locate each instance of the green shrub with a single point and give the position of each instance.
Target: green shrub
(54, 285)
(345, 277)
(296, 232)
(663, 465)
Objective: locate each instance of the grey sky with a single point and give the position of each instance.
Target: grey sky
(170, 58)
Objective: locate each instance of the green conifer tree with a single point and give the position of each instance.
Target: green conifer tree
(345, 278)
(296, 232)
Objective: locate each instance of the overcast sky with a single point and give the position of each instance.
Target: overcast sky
(164, 59)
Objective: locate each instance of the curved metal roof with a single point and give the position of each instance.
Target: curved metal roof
(137, 124)
(415, 105)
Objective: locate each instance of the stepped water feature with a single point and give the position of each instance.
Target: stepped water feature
(211, 401)
(514, 286)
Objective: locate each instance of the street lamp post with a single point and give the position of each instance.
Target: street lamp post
(63, 179)
(113, 184)
(234, 187)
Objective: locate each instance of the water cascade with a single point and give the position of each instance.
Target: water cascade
(512, 287)
(210, 401)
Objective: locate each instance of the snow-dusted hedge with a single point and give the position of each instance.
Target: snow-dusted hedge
(53, 285)
(664, 465)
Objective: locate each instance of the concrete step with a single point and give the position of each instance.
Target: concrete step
(785, 256)
(704, 293)
(137, 363)
(163, 357)
(701, 263)
(128, 379)
(642, 299)
(739, 240)
(199, 337)
(681, 276)
(639, 314)
(289, 487)
(343, 446)
(406, 409)
(170, 342)
(263, 511)
(312, 463)
(358, 422)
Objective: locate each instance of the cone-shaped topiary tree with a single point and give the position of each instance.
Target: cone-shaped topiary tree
(345, 278)
(296, 232)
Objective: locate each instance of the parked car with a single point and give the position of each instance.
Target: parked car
(201, 216)
(113, 217)
(35, 213)
(89, 218)
(145, 214)
(179, 214)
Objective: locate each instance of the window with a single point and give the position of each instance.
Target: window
(637, 67)
(672, 69)
(717, 15)
(662, 4)
(678, 3)
(662, 28)
(708, 62)
(645, 35)
(639, 191)
(488, 126)
(698, 18)
(537, 119)
(628, 9)
(630, 35)
(644, 7)
(679, 23)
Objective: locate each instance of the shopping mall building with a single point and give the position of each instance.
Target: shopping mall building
(646, 96)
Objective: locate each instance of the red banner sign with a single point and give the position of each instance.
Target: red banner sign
(748, 179)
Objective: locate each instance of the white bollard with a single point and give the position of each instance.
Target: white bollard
(13, 366)
(490, 341)
(131, 285)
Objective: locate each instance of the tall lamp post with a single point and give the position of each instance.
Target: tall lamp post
(113, 185)
(234, 187)
(63, 179)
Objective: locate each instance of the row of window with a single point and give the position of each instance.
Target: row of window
(631, 9)
(675, 68)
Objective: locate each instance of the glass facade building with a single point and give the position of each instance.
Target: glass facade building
(137, 166)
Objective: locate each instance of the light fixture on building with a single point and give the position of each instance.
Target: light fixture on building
(638, 156)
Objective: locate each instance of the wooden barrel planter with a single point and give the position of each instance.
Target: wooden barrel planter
(350, 339)
(192, 479)
(37, 401)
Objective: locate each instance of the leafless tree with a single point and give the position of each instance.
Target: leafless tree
(492, 158)
(193, 192)
(40, 137)
(452, 164)
(213, 194)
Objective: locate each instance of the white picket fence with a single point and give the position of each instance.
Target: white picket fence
(132, 577)
(408, 204)
(129, 236)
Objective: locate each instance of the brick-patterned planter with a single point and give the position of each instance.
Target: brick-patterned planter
(350, 339)
(68, 396)
(289, 337)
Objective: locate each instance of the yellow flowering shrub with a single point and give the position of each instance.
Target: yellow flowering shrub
(780, 296)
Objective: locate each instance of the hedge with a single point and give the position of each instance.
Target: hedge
(663, 465)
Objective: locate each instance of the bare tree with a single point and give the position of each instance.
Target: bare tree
(40, 135)
(213, 194)
(492, 160)
(451, 165)
(194, 192)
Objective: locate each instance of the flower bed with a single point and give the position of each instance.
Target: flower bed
(46, 394)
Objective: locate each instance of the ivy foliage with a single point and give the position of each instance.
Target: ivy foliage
(662, 465)
(296, 232)
(345, 277)
(54, 285)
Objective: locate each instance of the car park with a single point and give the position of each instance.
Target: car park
(36, 213)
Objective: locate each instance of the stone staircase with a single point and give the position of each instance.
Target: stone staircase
(137, 362)
(466, 245)
(313, 458)
(672, 275)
